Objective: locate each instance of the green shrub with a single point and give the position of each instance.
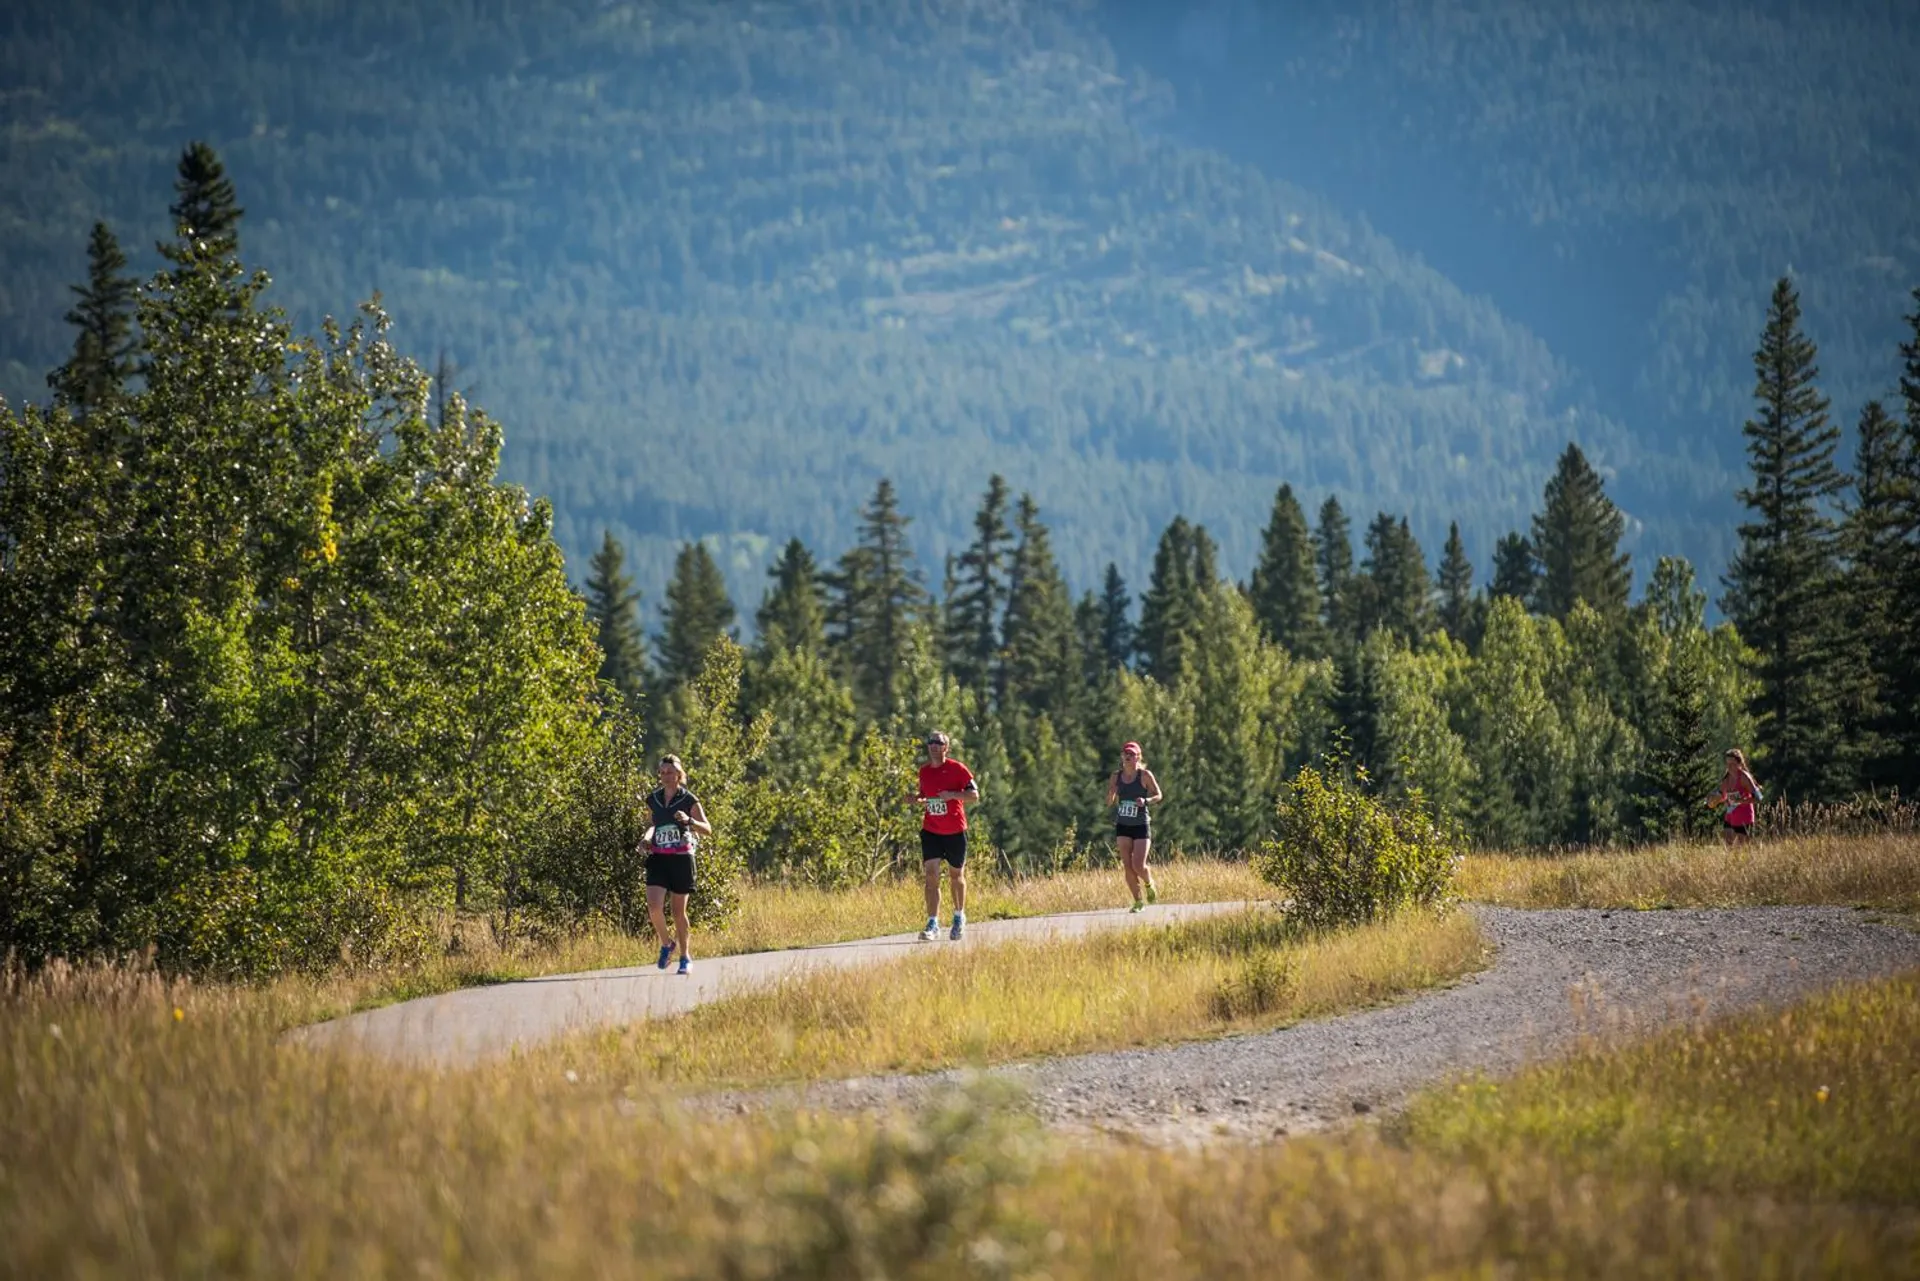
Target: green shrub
(1265, 983)
(1343, 857)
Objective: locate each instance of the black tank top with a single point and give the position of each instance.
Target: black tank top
(668, 836)
(1133, 795)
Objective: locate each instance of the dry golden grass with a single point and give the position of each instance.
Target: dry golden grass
(950, 1006)
(771, 917)
(1821, 1100)
(1877, 871)
(134, 1143)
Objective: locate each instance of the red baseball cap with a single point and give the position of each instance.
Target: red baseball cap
(1130, 747)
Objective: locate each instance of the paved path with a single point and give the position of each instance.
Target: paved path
(465, 1026)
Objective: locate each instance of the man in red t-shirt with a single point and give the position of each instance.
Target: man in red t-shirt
(945, 788)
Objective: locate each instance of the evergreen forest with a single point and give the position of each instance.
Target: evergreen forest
(831, 415)
(726, 266)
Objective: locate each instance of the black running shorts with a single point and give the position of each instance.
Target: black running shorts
(671, 872)
(951, 846)
(1138, 831)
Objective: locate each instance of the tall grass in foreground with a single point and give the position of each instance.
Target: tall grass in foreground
(1878, 871)
(943, 1007)
(134, 1143)
(771, 916)
(1819, 1100)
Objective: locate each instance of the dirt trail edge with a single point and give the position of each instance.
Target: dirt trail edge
(1557, 974)
(466, 1026)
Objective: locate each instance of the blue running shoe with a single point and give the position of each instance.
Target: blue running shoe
(932, 931)
(666, 954)
(686, 965)
(959, 930)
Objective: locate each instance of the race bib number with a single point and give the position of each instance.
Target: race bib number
(937, 807)
(1131, 809)
(669, 836)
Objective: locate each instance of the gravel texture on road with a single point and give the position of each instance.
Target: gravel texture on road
(1557, 975)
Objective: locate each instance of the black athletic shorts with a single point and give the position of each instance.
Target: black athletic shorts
(951, 846)
(1138, 831)
(672, 872)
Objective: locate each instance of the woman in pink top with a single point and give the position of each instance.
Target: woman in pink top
(1736, 797)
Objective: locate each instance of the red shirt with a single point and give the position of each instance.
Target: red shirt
(945, 817)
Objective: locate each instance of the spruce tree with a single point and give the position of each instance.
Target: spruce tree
(1680, 768)
(1876, 547)
(793, 612)
(1116, 627)
(206, 213)
(1037, 668)
(1333, 562)
(1576, 539)
(613, 606)
(1284, 591)
(104, 344)
(878, 599)
(697, 613)
(980, 599)
(1783, 591)
(1394, 591)
(1515, 573)
(1456, 586)
(1903, 692)
(1166, 611)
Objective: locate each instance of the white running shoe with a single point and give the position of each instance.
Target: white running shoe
(932, 931)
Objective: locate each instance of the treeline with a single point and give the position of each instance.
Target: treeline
(1540, 706)
(287, 676)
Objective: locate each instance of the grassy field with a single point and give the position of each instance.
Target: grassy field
(150, 1131)
(1854, 871)
(951, 1006)
(771, 916)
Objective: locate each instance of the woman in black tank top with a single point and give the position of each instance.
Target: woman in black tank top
(1130, 791)
(676, 819)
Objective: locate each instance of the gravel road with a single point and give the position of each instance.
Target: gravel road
(1557, 974)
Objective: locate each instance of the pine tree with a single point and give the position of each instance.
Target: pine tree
(793, 612)
(1184, 563)
(1333, 562)
(697, 613)
(1903, 691)
(1456, 587)
(613, 606)
(1875, 547)
(1285, 592)
(878, 600)
(1116, 627)
(1515, 573)
(206, 214)
(104, 344)
(1166, 607)
(1679, 769)
(1783, 592)
(1394, 591)
(980, 601)
(1037, 669)
(1576, 538)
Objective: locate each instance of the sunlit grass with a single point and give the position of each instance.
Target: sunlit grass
(1877, 871)
(134, 1143)
(770, 917)
(1820, 1100)
(950, 1006)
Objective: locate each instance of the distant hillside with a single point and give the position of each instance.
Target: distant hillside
(718, 267)
(1625, 177)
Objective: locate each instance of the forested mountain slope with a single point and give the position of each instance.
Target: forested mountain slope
(720, 265)
(1625, 177)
